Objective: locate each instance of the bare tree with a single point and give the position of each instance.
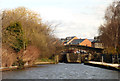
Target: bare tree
(34, 33)
(110, 31)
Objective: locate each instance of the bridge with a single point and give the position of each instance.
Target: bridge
(79, 47)
(77, 53)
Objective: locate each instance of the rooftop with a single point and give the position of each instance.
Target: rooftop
(77, 41)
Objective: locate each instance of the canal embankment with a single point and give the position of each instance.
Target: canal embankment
(41, 61)
(25, 66)
(104, 65)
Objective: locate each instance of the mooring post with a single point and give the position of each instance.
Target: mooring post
(56, 59)
(102, 58)
(68, 57)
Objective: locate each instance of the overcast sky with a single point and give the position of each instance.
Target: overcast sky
(79, 18)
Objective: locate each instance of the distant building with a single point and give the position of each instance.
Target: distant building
(68, 40)
(96, 43)
(73, 40)
(82, 42)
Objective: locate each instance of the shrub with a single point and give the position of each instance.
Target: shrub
(8, 56)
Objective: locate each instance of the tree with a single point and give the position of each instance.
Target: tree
(23, 30)
(13, 36)
(110, 31)
(36, 32)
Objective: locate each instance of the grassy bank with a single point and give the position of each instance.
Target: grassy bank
(44, 61)
(37, 62)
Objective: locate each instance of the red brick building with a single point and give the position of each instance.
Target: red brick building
(75, 41)
(82, 42)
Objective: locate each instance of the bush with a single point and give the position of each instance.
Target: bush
(8, 56)
(24, 31)
(29, 55)
(13, 36)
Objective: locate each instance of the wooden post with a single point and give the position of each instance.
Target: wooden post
(117, 57)
(68, 57)
(112, 59)
(102, 58)
(56, 59)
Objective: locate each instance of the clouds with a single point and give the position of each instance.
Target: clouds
(71, 23)
(76, 17)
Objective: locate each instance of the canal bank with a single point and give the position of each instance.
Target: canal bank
(103, 65)
(26, 66)
(42, 61)
(91, 63)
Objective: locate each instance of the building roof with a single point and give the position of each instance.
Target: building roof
(96, 41)
(77, 41)
(67, 39)
(91, 40)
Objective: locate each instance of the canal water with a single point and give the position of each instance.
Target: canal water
(62, 71)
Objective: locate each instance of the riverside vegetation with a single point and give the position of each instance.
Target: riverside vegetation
(25, 38)
(109, 32)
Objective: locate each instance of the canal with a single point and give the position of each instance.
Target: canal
(62, 71)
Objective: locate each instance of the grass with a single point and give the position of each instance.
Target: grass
(44, 60)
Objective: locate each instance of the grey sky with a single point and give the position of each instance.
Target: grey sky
(79, 18)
